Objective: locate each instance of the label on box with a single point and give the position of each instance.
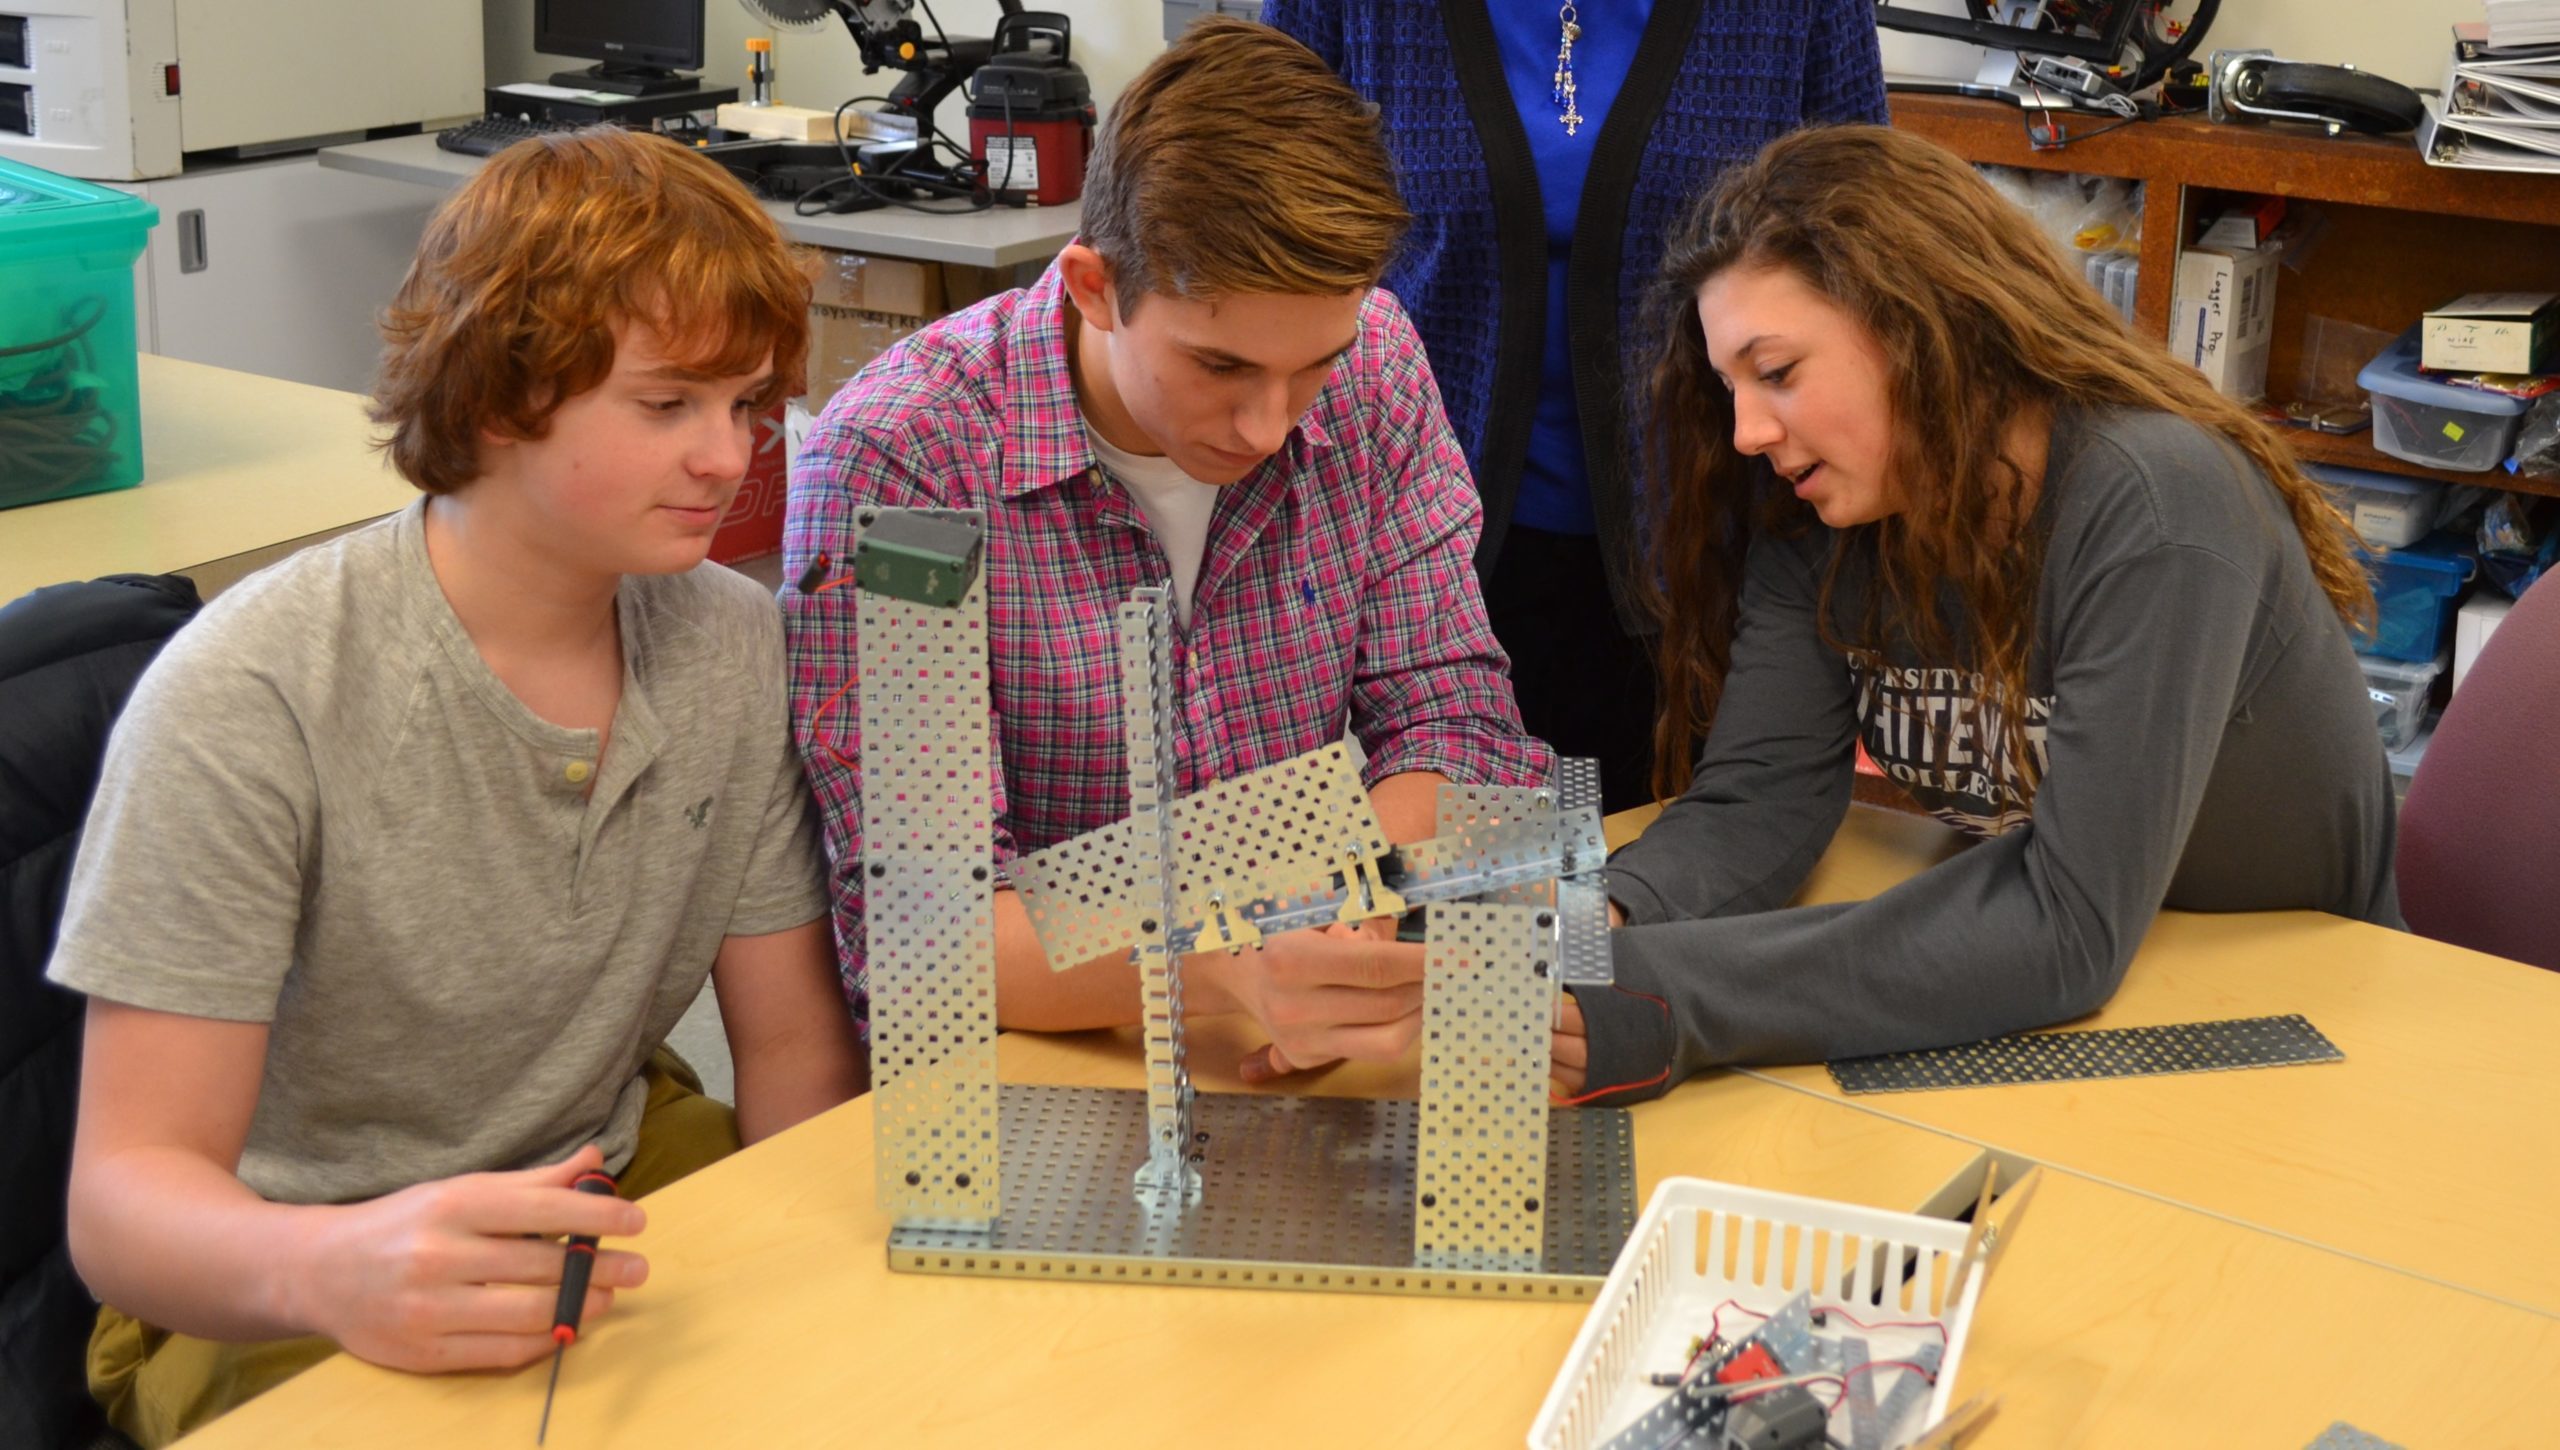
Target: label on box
(2222, 318)
(2493, 332)
(1013, 163)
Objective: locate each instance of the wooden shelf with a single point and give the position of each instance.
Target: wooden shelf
(2282, 160)
(2356, 450)
(2393, 236)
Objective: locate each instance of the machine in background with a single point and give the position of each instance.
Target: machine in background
(120, 90)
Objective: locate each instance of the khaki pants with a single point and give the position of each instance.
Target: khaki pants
(157, 1386)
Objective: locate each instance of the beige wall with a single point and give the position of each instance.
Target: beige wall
(820, 68)
(2403, 39)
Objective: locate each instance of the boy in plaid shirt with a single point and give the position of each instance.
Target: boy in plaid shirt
(1206, 390)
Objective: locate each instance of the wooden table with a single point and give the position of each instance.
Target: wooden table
(238, 471)
(2429, 1149)
(2122, 1314)
(771, 1319)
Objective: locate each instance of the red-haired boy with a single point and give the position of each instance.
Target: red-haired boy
(411, 849)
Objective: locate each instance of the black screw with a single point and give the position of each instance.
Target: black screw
(878, 871)
(1199, 1137)
(1546, 919)
(1430, 1200)
(1539, 967)
(1148, 926)
(1532, 1205)
(977, 873)
(869, 518)
(914, 1178)
(960, 1180)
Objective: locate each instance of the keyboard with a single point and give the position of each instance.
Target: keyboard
(490, 135)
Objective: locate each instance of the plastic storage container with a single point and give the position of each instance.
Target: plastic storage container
(2415, 593)
(2390, 512)
(2437, 424)
(2399, 689)
(1702, 1245)
(70, 406)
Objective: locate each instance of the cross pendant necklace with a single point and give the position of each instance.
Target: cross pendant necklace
(1564, 97)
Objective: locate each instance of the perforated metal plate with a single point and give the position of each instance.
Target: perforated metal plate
(929, 922)
(2078, 1056)
(1464, 807)
(1273, 837)
(1480, 1171)
(1298, 1193)
(1146, 704)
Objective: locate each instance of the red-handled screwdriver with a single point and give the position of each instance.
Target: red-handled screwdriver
(573, 1294)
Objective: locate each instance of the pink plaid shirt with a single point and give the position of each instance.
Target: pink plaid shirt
(1336, 591)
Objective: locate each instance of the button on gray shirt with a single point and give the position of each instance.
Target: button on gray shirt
(323, 812)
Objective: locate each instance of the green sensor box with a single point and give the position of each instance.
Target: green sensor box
(919, 558)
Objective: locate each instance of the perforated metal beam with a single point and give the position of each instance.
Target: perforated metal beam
(1480, 1170)
(1146, 706)
(929, 921)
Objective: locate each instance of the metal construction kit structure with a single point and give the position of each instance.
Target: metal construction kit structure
(1480, 1189)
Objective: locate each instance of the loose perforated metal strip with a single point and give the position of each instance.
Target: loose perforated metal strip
(928, 918)
(2077, 1056)
(1480, 1171)
(1277, 834)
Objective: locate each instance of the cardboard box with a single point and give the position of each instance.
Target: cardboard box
(2222, 318)
(800, 123)
(2494, 332)
(753, 524)
(855, 282)
(842, 340)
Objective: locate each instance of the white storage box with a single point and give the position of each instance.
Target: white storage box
(2389, 511)
(2472, 626)
(1701, 1244)
(2222, 318)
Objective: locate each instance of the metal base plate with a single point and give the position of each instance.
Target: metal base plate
(1296, 1193)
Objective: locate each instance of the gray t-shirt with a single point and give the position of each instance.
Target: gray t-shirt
(2204, 742)
(322, 811)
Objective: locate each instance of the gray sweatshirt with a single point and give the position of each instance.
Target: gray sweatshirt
(2207, 744)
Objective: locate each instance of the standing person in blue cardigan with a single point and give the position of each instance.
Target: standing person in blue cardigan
(1545, 153)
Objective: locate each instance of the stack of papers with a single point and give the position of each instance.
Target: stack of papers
(2500, 110)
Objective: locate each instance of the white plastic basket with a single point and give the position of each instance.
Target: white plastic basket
(1702, 1243)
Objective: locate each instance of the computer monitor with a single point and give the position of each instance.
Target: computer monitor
(640, 46)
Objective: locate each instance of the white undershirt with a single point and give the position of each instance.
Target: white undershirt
(1177, 507)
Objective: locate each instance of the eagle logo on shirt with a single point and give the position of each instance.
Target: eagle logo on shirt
(699, 813)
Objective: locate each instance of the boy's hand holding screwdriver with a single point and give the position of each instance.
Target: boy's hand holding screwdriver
(463, 1273)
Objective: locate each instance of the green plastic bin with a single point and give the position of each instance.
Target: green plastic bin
(70, 405)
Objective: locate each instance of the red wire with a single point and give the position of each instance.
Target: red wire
(818, 721)
(1663, 1076)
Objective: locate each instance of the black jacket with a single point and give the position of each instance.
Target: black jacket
(69, 657)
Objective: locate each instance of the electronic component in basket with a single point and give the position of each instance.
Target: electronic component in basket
(1755, 1392)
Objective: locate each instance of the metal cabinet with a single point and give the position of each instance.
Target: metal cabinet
(276, 267)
